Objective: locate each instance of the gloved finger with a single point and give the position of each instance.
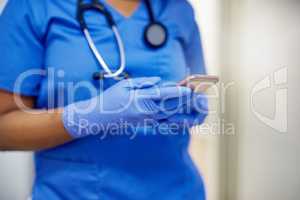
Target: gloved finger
(174, 92)
(173, 104)
(199, 103)
(149, 107)
(141, 83)
(171, 100)
(163, 93)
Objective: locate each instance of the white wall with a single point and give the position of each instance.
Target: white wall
(205, 145)
(262, 37)
(15, 176)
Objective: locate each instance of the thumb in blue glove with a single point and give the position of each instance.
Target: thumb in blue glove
(192, 113)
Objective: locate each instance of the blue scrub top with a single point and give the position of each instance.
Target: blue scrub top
(42, 38)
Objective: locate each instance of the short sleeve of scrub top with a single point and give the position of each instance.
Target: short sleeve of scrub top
(21, 49)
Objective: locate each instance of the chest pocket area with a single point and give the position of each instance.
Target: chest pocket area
(171, 57)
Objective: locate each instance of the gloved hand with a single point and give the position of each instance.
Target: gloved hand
(193, 111)
(129, 101)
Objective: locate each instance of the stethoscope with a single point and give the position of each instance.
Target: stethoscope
(155, 37)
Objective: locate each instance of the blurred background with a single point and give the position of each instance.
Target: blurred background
(248, 147)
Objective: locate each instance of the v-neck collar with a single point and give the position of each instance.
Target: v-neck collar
(117, 15)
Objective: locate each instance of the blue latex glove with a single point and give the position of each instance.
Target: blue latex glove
(129, 101)
(193, 112)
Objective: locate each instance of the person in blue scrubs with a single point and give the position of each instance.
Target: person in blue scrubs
(46, 66)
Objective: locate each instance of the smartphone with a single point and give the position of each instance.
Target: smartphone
(199, 82)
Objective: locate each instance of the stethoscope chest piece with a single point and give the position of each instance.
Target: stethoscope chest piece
(156, 35)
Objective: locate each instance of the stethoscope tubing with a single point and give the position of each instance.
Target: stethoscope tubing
(100, 59)
(97, 6)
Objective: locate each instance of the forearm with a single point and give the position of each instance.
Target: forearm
(35, 130)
